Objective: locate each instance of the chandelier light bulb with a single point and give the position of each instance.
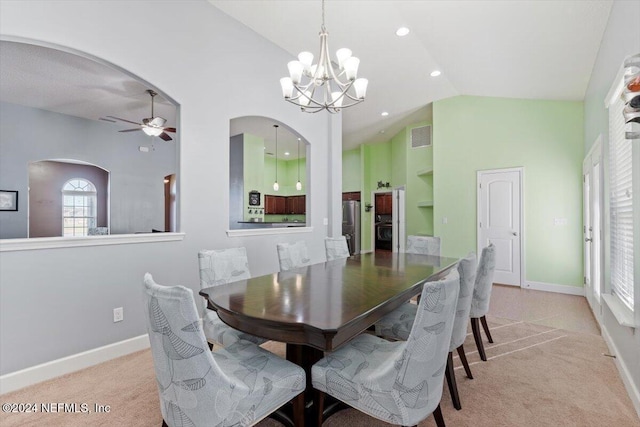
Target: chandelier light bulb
(295, 71)
(360, 86)
(343, 54)
(306, 59)
(287, 87)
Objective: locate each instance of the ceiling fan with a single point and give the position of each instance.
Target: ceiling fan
(152, 126)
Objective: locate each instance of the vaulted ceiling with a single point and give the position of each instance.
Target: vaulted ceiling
(540, 49)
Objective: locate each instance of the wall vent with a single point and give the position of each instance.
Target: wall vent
(421, 136)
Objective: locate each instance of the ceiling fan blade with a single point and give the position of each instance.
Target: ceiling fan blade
(107, 120)
(170, 130)
(129, 130)
(124, 120)
(165, 136)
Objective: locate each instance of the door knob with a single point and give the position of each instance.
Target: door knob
(588, 239)
(514, 233)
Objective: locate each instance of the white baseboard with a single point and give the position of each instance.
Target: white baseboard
(552, 287)
(55, 368)
(627, 380)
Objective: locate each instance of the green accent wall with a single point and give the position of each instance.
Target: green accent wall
(545, 138)
(287, 176)
(351, 170)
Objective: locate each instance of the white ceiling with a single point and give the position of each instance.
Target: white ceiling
(518, 49)
(541, 49)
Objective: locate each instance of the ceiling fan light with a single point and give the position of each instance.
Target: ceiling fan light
(151, 131)
(360, 85)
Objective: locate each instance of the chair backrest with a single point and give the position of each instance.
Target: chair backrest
(293, 255)
(420, 370)
(336, 247)
(484, 282)
(220, 266)
(467, 273)
(98, 231)
(423, 245)
(188, 378)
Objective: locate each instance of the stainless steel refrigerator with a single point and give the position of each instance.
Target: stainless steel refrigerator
(351, 225)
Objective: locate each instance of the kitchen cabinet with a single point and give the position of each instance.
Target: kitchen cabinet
(384, 204)
(275, 205)
(352, 195)
(296, 205)
(281, 205)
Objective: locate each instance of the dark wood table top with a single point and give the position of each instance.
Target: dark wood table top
(325, 305)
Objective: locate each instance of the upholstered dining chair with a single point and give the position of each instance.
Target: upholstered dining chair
(398, 382)
(336, 248)
(481, 297)
(217, 267)
(293, 255)
(397, 324)
(237, 385)
(423, 245)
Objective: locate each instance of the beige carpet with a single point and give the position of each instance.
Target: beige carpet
(535, 376)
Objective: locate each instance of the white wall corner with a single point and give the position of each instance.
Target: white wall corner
(627, 379)
(552, 287)
(46, 371)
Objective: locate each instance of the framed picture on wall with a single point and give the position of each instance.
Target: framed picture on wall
(254, 198)
(8, 200)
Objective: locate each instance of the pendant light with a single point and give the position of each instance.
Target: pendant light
(276, 186)
(298, 184)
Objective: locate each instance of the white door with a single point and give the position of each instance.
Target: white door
(398, 214)
(499, 221)
(592, 227)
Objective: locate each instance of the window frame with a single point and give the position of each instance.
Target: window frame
(90, 196)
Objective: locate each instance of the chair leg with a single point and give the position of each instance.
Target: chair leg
(483, 319)
(320, 409)
(298, 410)
(164, 423)
(437, 414)
(451, 381)
(475, 326)
(463, 359)
(210, 346)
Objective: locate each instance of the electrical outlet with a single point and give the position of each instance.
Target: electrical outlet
(118, 314)
(445, 220)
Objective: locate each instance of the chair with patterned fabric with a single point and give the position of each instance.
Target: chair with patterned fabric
(423, 245)
(98, 231)
(397, 382)
(293, 255)
(336, 248)
(481, 297)
(218, 267)
(238, 385)
(397, 324)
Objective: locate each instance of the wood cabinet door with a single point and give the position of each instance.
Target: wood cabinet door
(281, 205)
(269, 205)
(383, 204)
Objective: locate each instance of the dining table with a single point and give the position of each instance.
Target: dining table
(316, 308)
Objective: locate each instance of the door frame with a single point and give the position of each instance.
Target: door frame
(399, 218)
(595, 303)
(520, 171)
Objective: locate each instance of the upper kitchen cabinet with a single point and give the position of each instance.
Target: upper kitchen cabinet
(384, 204)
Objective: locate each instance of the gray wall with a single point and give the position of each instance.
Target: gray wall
(621, 38)
(46, 180)
(136, 187)
(58, 302)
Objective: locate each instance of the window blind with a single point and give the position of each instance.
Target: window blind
(621, 206)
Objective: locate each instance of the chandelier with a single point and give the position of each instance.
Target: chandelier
(317, 87)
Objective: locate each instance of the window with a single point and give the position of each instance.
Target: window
(78, 207)
(621, 202)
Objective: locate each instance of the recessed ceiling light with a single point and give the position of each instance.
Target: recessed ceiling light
(286, 153)
(384, 114)
(435, 73)
(382, 131)
(402, 31)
